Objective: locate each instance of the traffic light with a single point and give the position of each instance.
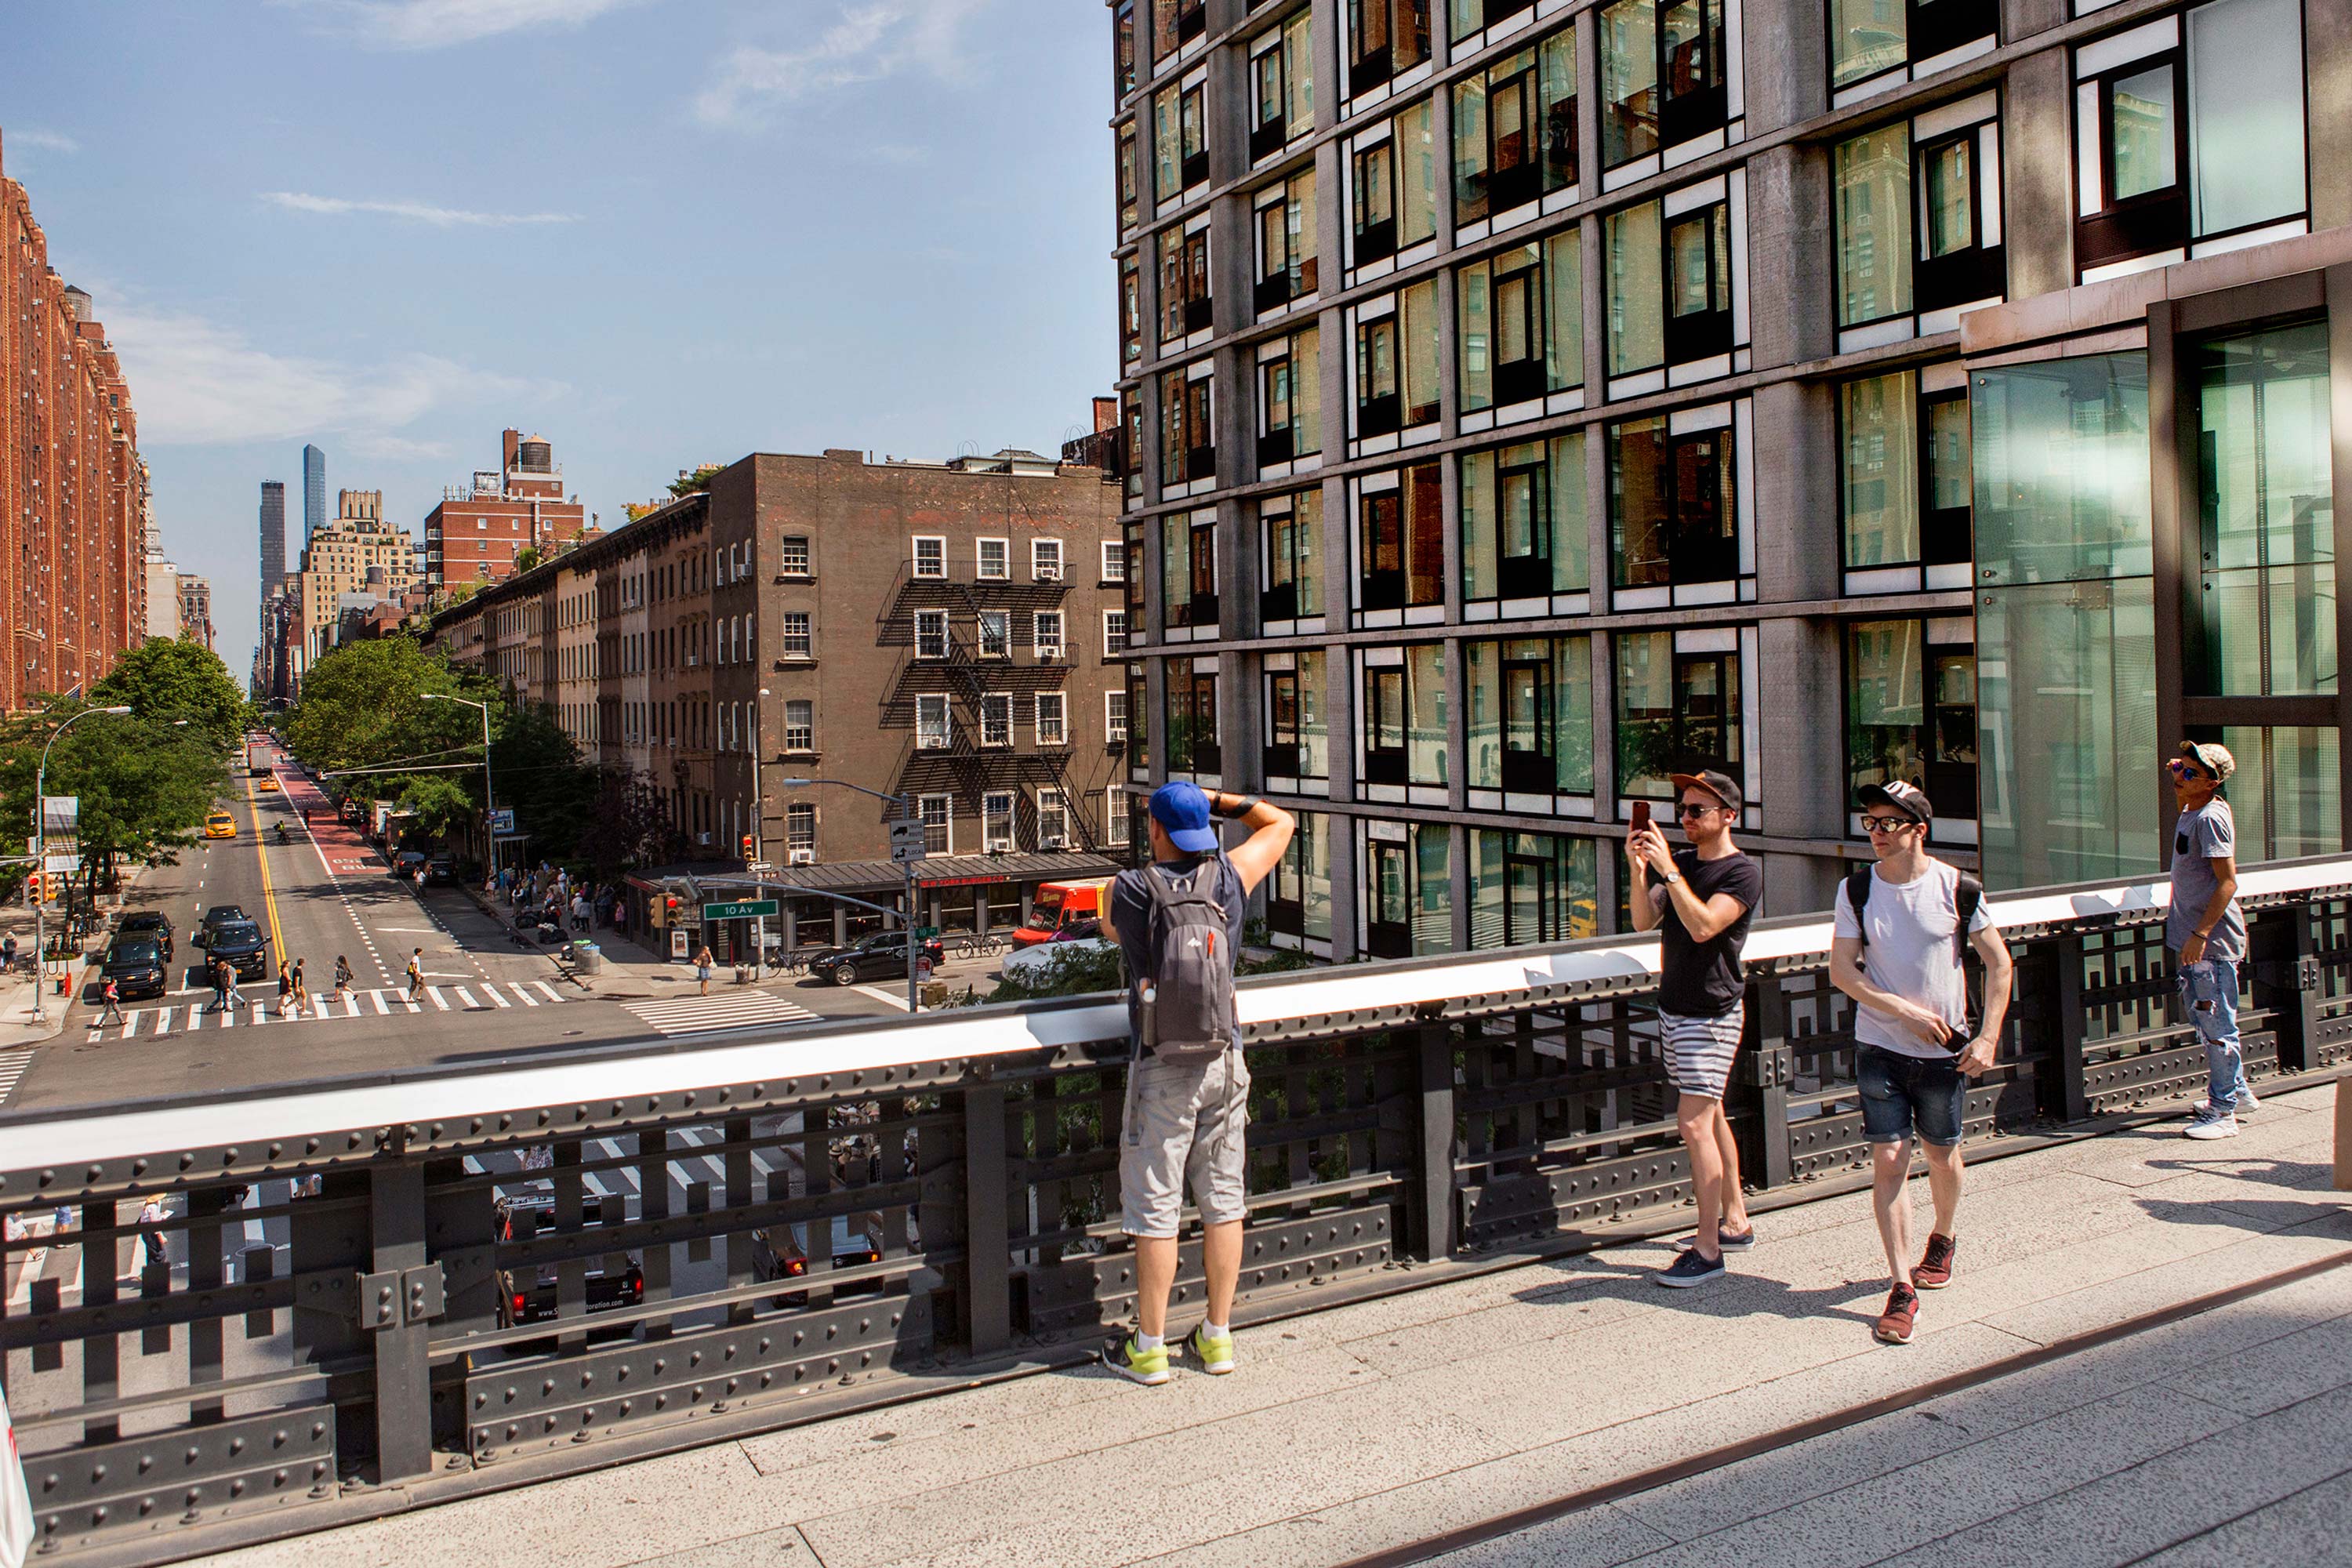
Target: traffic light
(750, 843)
(36, 889)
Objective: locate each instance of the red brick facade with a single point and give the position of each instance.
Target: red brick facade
(480, 528)
(73, 581)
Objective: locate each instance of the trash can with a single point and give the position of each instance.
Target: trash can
(587, 957)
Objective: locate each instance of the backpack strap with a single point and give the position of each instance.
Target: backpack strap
(1857, 896)
(1968, 895)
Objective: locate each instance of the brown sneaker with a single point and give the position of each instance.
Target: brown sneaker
(1935, 1269)
(1902, 1312)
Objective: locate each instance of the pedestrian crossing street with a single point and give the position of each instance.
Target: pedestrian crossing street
(478, 995)
(12, 1067)
(707, 1015)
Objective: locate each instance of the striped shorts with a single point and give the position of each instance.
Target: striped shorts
(1699, 1050)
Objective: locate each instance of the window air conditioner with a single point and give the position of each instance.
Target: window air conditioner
(931, 742)
(999, 846)
(1049, 650)
(1049, 573)
(703, 838)
(1053, 841)
(801, 858)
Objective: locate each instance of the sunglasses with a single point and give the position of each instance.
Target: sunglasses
(1886, 824)
(1689, 809)
(2181, 768)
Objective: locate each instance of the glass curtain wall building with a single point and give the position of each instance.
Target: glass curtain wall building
(1524, 400)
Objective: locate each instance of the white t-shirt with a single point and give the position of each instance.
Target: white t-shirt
(1910, 954)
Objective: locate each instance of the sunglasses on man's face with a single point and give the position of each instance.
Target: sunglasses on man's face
(1887, 823)
(1693, 808)
(2184, 769)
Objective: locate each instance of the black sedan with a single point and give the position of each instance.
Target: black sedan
(135, 963)
(878, 957)
(242, 943)
(153, 925)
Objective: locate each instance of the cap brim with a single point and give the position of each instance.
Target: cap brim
(1691, 781)
(1193, 840)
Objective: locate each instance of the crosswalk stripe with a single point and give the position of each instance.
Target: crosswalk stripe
(12, 1067)
(528, 1000)
(704, 1015)
(552, 994)
(439, 1000)
(468, 996)
(377, 997)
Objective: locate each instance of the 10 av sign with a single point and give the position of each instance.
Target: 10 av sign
(750, 910)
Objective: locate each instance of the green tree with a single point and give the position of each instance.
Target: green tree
(144, 783)
(440, 806)
(526, 557)
(169, 678)
(697, 481)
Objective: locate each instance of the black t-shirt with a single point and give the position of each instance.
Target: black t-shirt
(1131, 916)
(1703, 979)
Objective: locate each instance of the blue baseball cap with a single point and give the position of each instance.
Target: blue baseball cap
(1183, 811)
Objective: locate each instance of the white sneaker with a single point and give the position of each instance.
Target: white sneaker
(2238, 1106)
(2207, 1126)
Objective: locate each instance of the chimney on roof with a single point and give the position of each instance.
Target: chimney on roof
(508, 441)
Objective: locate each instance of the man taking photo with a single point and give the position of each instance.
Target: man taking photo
(1178, 923)
(1700, 901)
(2205, 931)
(1895, 949)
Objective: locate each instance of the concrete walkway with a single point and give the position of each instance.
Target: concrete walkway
(1369, 1428)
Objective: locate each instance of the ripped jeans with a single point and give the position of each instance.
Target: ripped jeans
(2208, 993)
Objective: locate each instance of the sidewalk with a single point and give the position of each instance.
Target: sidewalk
(18, 1031)
(1366, 1427)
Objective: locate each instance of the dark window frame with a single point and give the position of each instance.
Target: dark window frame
(1375, 240)
(1703, 334)
(2152, 221)
(1374, 66)
(1281, 276)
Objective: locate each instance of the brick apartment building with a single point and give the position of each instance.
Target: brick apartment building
(480, 528)
(946, 631)
(73, 581)
(355, 562)
(196, 608)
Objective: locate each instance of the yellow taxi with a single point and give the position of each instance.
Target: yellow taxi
(268, 785)
(220, 824)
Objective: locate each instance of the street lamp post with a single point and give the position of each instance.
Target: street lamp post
(904, 804)
(41, 838)
(490, 794)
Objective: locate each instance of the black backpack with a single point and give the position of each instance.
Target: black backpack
(1967, 895)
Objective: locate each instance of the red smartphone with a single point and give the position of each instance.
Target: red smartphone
(1641, 814)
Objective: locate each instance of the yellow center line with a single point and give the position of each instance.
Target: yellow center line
(268, 894)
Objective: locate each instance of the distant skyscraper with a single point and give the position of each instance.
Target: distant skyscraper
(273, 539)
(314, 491)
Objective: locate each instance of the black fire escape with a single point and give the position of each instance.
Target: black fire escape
(965, 767)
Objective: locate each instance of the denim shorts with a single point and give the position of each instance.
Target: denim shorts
(1900, 1093)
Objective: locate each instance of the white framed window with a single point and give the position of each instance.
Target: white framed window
(996, 719)
(996, 820)
(933, 728)
(995, 560)
(1115, 715)
(995, 633)
(1046, 560)
(930, 633)
(799, 725)
(792, 555)
(796, 634)
(800, 826)
(1053, 820)
(1046, 633)
(1114, 633)
(938, 825)
(1115, 812)
(930, 555)
(1114, 560)
(1053, 719)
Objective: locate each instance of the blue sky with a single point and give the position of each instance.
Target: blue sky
(659, 232)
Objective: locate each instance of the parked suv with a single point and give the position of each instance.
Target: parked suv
(527, 1294)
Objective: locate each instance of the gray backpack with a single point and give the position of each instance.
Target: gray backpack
(1187, 1006)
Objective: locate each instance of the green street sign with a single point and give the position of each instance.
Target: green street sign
(924, 933)
(751, 909)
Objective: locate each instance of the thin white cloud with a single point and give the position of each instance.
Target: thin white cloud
(198, 382)
(413, 212)
(47, 140)
(437, 24)
(870, 40)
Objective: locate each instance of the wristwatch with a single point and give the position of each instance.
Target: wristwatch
(1670, 878)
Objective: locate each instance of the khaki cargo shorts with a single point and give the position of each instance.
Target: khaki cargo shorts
(1183, 1120)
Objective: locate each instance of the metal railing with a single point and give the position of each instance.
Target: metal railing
(377, 1290)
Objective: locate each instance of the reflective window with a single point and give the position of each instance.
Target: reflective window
(1298, 894)
(1384, 38)
(1530, 888)
(1529, 725)
(1293, 527)
(1297, 743)
(1911, 711)
(2287, 794)
(1401, 542)
(1514, 129)
(2062, 474)
(1677, 712)
(1521, 323)
(1523, 519)
(1874, 224)
(1673, 517)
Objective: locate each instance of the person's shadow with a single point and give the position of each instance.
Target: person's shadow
(1583, 1277)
